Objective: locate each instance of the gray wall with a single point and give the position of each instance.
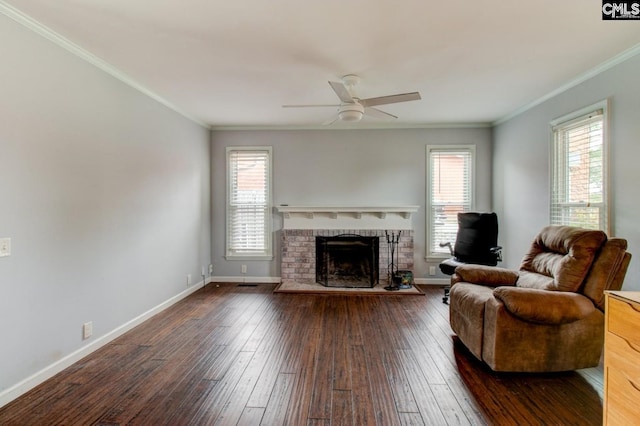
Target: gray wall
(343, 168)
(105, 194)
(521, 163)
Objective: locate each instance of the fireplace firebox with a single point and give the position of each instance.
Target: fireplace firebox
(347, 260)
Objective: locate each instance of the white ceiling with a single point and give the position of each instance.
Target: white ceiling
(234, 63)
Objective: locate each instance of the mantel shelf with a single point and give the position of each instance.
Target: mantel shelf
(326, 216)
(404, 211)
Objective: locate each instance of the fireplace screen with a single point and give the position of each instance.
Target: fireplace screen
(347, 261)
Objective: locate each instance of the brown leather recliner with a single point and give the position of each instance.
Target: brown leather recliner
(548, 315)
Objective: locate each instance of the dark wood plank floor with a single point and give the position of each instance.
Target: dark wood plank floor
(244, 355)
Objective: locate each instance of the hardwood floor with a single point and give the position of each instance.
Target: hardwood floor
(243, 355)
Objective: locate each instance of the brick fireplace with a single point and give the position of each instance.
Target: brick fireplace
(303, 225)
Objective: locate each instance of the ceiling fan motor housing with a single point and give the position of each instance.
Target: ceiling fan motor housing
(351, 112)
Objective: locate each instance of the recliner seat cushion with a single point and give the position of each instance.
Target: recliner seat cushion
(562, 253)
(534, 280)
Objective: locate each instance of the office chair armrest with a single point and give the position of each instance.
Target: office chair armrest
(497, 252)
(448, 244)
(544, 306)
(491, 276)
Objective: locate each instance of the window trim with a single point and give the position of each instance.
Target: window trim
(606, 173)
(268, 253)
(470, 148)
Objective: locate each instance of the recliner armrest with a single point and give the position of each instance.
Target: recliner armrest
(491, 276)
(544, 306)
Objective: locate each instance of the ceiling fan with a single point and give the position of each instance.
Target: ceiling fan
(352, 108)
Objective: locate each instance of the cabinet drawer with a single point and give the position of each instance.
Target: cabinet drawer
(622, 398)
(623, 355)
(622, 319)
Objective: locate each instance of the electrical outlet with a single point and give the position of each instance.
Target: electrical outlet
(210, 269)
(432, 270)
(87, 330)
(244, 269)
(188, 279)
(5, 247)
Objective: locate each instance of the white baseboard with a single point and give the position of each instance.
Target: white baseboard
(277, 280)
(48, 372)
(432, 281)
(250, 280)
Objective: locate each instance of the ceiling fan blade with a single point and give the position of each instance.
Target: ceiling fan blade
(331, 120)
(391, 99)
(374, 112)
(342, 92)
(309, 106)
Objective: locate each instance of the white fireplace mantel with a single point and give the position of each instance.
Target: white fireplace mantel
(322, 217)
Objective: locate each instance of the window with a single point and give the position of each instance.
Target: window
(579, 170)
(450, 190)
(249, 202)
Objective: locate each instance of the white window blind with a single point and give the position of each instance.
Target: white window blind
(450, 174)
(578, 173)
(249, 205)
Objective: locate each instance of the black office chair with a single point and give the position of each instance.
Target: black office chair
(476, 242)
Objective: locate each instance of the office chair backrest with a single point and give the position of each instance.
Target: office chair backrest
(477, 235)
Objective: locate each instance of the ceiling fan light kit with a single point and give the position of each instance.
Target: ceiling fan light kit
(351, 112)
(352, 108)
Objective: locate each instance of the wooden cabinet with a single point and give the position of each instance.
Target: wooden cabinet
(622, 358)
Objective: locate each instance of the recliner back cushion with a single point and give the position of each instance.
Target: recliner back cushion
(562, 253)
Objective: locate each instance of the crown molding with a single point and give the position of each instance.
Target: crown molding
(361, 126)
(46, 32)
(618, 59)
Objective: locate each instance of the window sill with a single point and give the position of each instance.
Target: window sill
(248, 257)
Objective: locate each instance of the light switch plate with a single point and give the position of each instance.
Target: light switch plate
(5, 247)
